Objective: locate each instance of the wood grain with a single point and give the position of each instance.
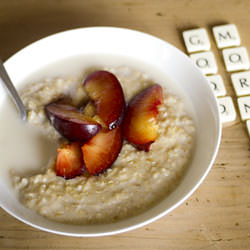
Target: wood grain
(217, 216)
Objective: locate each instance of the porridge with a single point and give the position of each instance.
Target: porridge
(136, 180)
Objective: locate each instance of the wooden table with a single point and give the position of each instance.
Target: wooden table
(217, 216)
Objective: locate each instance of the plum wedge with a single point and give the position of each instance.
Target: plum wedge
(140, 122)
(100, 152)
(70, 123)
(107, 95)
(69, 162)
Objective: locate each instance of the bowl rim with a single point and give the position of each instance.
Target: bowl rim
(154, 218)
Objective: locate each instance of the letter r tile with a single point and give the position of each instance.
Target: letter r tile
(205, 61)
(196, 40)
(244, 107)
(226, 36)
(241, 83)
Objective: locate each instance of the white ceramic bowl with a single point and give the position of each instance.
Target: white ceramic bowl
(155, 52)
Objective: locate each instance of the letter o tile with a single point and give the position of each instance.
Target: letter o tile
(205, 61)
(236, 59)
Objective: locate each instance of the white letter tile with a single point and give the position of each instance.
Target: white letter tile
(217, 85)
(244, 107)
(205, 61)
(248, 127)
(241, 83)
(196, 40)
(236, 59)
(226, 36)
(227, 110)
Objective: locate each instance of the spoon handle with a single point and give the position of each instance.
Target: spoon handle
(12, 91)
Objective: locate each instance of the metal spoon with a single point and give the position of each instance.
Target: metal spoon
(12, 91)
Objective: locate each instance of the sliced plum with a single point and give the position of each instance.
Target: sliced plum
(100, 152)
(69, 162)
(140, 123)
(70, 123)
(107, 95)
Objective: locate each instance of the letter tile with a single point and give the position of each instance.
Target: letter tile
(241, 83)
(226, 36)
(244, 107)
(248, 127)
(217, 85)
(196, 40)
(236, 59)
(227, 110)
(205, 61)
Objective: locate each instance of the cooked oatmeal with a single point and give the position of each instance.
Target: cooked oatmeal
(137, 179)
